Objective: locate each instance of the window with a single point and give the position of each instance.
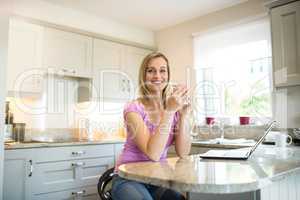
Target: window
(233, 71)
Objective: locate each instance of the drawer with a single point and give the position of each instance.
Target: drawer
(57, 176)
(73, 152)
(83, 193)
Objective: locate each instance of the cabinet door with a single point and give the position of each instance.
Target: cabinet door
(285, 22)
(17, 176)
(25, 72)
(68, 53)
(133, 60)
(107, 61)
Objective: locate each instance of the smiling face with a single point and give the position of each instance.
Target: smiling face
(156, 75)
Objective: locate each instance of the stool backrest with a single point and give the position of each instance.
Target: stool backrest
(104, 180)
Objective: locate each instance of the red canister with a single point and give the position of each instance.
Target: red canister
(210, 120)
(244, 120)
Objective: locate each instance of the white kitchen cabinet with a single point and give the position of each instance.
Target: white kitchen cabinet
(285, 27)
(67, 53)
(133, 60)
(107, 60)
(70, 172)
(17, 174)
(115, 70)
(25, 71)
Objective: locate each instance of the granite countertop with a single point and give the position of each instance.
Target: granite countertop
(193, 174)
(57, 143)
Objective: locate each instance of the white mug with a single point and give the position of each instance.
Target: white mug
(282, 140)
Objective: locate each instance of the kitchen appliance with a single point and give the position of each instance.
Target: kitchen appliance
(8, 133)
(19, 132)
(8, 127)
(295, 134)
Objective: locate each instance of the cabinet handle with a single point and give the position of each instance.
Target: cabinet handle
(78, 164)
(74, 71)
(128, 86)
(123, 85)
(78, 153)
(31, 168)
(79, 193)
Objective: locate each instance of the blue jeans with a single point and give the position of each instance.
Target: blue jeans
(123, 189)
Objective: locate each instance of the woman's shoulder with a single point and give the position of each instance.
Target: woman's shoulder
(134, 106)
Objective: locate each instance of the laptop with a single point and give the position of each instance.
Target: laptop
(237, 154)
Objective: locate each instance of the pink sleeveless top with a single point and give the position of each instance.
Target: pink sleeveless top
(131, 153)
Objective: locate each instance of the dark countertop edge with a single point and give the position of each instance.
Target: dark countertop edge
(58, 144)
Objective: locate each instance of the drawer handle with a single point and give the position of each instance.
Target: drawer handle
(79, 193)
(78, 164)
(31, 168)
(78, 153)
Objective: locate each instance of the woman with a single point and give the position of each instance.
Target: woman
(154, 122)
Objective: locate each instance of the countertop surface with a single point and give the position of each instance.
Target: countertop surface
(226, 144)
(194, 174)
(64, 142)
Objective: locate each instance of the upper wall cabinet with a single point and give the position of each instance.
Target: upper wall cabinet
(115, 70)
(67, 53)
(107, 59)
(133, 59)
(285, 24)
(25, 47)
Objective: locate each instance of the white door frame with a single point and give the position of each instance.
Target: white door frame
(5, 11)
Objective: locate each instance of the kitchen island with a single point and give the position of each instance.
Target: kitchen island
(270, 173)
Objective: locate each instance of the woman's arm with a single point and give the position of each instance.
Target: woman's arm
(151, 145)
(182, 134)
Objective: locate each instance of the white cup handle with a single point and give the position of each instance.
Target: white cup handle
(291, 140)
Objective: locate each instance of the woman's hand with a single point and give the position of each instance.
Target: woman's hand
(176, 100)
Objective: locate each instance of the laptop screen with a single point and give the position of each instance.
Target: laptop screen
(269, 128)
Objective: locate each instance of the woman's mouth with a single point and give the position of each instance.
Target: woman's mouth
(156, 82)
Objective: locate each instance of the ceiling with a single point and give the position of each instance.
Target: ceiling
(148, 14)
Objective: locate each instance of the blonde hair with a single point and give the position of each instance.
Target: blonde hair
(143, 90)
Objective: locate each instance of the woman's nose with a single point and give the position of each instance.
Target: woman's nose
(156, 74)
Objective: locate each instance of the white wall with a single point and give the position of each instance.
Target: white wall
(51, 13)
(4, 21)
(177, 41)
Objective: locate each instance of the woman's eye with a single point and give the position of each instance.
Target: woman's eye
(149, 71)
(163, 71)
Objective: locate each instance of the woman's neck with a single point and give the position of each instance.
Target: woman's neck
(155, 100)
